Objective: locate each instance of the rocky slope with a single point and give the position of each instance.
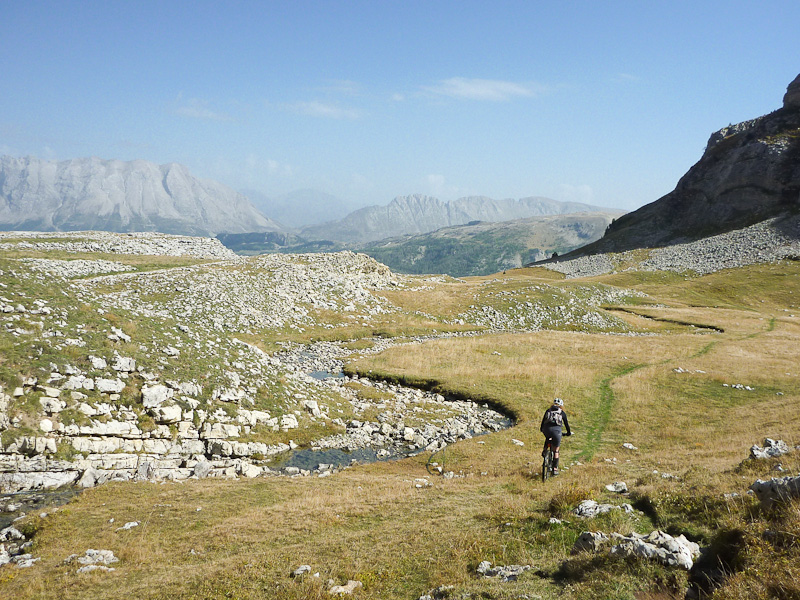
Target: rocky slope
(419, 214)
(112, 195)
(748, 173)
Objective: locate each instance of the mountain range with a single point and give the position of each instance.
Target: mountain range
(114, 195)
(418, 214)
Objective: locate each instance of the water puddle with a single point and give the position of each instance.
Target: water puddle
(13, 506)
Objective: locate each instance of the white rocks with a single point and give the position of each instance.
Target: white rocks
(153, 396)
(78, 382)
(167, 414)
(250, 470)
(312, 407)
(118, 335)
(124, 364)
(109, 386)
(776, 490)
(504, 573)
(94, 560)
(98, 363)
(760, 243)
(591, 508)
(202, 469)
(347, 589)
(11, 534)
(659, 546)
(301, 570)
(771, 448)
(52, 405)
(289, 421)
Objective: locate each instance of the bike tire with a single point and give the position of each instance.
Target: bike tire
(547, 465)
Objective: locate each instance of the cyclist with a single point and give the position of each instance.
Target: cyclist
(552, 422)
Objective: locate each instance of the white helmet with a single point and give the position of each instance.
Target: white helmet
(558, 402)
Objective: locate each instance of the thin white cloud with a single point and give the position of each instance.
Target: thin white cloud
(484, 89)
(196, 108)
(323, 110)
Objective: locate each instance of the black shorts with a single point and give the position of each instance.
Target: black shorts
(555, 433)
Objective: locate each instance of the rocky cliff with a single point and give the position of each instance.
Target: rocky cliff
(113, 195)
(419, 214)
(748, 173)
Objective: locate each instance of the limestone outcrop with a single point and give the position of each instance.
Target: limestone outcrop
(749, 172)
(657, 545)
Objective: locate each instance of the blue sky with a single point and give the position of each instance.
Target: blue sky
(605, 102)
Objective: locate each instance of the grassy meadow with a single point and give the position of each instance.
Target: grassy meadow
(662, 380)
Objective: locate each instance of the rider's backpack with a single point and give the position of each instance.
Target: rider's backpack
(554, 416)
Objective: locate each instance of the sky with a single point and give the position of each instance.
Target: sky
(606, 102)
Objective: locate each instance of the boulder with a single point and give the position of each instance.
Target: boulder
(89, 478)
(657, 545)
(167, 414)
(590, 541)
(289, 421)
(312, 407)
(124, 364)
(776, 490)
(202, 469)
(250, 470)
(620, 487)
(351, 586)
(771, 448)
(98, 363)
(109, 386)
(156, 395)
(590, 508)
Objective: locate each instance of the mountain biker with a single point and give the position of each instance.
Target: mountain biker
(552, 422)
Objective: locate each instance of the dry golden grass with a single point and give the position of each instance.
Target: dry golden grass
(373, 524)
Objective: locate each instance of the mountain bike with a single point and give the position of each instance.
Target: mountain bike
(548, 464)
(549, 460)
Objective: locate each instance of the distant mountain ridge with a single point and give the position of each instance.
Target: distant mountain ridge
(114, 195)
(483, 248)
(749, 172)
(419, 214)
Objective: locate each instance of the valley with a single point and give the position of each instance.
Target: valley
(687, 370)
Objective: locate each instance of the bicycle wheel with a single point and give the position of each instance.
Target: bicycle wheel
(547, 464)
